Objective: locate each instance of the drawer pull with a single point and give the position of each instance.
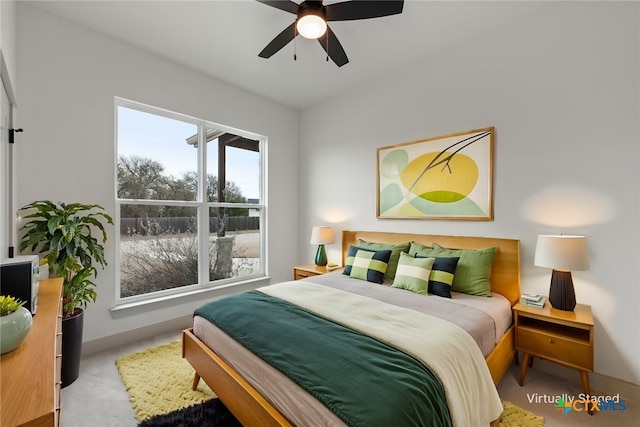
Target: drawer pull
(550, 340)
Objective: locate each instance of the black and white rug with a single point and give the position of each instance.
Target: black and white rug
(211, 413)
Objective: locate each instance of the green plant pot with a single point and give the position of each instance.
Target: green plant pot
(14, 328)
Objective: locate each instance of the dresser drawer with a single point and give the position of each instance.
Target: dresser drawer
(555, 347)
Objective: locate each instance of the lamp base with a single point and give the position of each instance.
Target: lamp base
(321, 256)
(561, 293)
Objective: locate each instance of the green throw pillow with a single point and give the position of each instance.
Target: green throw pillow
(370, 266)
(395, 248)
(473, 273)
(413, 273)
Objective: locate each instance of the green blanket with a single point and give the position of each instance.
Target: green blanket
(365, 382)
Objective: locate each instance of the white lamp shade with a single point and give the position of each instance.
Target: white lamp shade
(322, 235)
(311, 26)
(562, 252)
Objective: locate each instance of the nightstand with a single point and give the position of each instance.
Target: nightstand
(563, 337)
(309, 270)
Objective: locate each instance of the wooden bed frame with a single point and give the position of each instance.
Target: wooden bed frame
(251, 408)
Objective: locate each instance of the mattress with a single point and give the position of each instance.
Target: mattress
(485, 319)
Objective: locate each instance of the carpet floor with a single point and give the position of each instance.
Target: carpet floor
(158, 381)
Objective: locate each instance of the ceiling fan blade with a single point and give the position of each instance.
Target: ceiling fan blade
(280, 41)
(286, 5)
(335, 51)
(362, 9)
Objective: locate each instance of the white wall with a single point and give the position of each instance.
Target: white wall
(68, 77)
(562, 89)
(8, 36)
(7, 77)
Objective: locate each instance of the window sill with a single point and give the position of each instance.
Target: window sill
(196, 296)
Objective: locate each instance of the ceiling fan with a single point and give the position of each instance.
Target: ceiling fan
(312, 18)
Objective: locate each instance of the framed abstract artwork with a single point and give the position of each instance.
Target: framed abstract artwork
(445, 177)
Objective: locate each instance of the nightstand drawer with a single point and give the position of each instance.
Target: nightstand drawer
(301, 274)
(555, 347)
(308, 270)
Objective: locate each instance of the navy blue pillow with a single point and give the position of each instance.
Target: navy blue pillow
(441, 276)
(348, 263)
(370, 266)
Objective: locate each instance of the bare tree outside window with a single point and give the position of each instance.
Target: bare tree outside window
(168, 214)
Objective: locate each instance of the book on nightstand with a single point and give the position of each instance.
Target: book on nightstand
(532, 300)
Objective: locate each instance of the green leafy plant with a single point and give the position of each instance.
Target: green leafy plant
(63, 233)
(9, 304)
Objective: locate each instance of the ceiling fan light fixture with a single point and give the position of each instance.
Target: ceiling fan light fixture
(311, 22)
(311, 26)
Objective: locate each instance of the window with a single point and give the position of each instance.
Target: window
(189, 197)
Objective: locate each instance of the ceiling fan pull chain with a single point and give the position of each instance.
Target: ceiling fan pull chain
(327, 34)
(295, 44)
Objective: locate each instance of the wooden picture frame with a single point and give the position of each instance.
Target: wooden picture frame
(444, 177)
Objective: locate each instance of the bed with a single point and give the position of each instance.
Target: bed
(257, 397)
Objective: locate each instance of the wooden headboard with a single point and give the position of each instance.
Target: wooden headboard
(505, 275)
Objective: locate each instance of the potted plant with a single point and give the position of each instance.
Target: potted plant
(63, 233)
(15, 323)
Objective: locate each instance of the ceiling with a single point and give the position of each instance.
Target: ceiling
(223, 38)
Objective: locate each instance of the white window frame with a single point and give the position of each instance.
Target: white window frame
(201, 205)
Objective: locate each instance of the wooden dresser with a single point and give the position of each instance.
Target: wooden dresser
(30, 374)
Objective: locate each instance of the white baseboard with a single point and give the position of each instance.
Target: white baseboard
(102, 344)
(600, 384)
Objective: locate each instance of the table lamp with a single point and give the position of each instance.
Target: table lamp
(321, 236)
(562, 254)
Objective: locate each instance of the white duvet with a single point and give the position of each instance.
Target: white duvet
(446, 348)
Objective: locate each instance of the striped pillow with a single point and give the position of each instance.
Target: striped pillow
(442, 275)
(370, 266)
(473, 271)
(413, 273)
(395, 249)
(351, 255)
